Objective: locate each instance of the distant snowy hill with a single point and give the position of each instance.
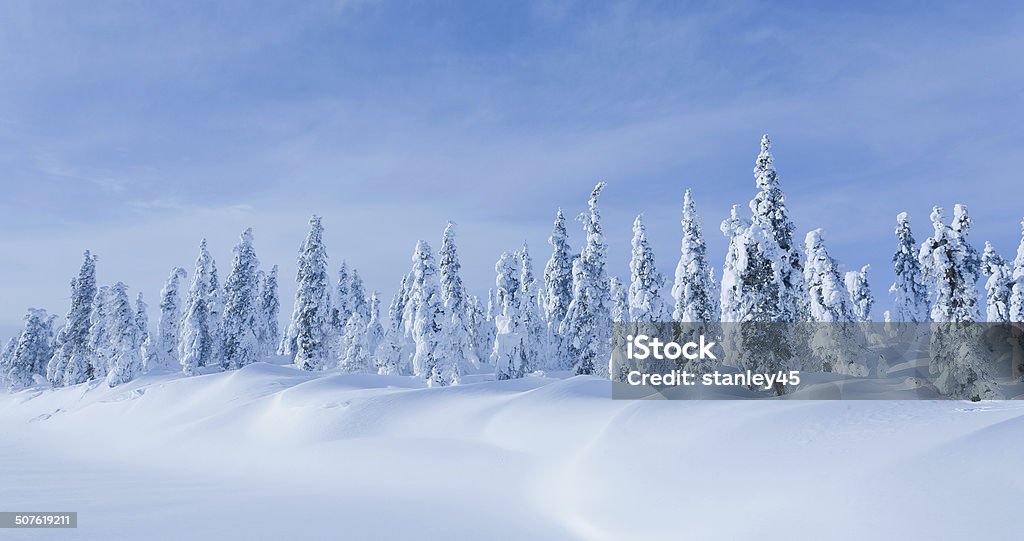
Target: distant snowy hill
(272, 452)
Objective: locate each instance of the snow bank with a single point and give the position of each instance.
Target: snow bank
(271, 452)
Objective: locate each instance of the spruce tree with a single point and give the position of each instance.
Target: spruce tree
(837, 344)
(1017, 280)
(165, 352)
(70, 362)
(242, 315)
(342, 298)
(645, 282)
(30, 353)
(357, 296)
(694, 289)
(557, 292)
(311, 316)
(198, 333)
(433, 359)
(374, 329)
(587, 324)
(125, 345)
(454, 296)
(392, 350)
(355, 358)
(860, 293)
(953, 268)
(531, 322)
(100, 340)
(910, 294)
(270, 308)
(997, 286)
(770, 213)
(509, 354)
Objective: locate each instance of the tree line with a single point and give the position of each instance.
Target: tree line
(435, 330)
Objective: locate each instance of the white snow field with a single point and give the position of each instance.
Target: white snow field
(272, 452)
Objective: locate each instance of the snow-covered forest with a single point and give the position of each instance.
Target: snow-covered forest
(557, 319)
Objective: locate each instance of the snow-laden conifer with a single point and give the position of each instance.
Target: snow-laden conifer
(32, 350)
(836, 343)
(694, 289)
(270, 308)
(100, 341)
(342, 298)
(557, 291)
(645, 302)
(587, 324)
(531, 322)
(198, 333)
(953, 268)
(374, 328)
(123, 353)
(311, 316)
(242, 315)
(909, 291)
(70, 362)
(433, 359)
(454, 296)
(355, 358)
(997, 286)
(509, 354)
(1017, 287)
(860, 293)
(164, 354)
(770, 213)
(392, 350)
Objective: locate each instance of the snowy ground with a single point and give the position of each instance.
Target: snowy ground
(270, 452)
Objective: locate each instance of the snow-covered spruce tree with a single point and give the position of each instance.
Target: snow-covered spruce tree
(750, 298)
(531, 322)
(509, 354)
(6, 359)
(311, 317)
(910, 294)
(997, 286)
(769, 212)
(694, 289)
(1017, 287)
(454, 296)
(216, 304)
(124, 353)
(836, 343)
(342, 299)
(433, 359)
(860, 293)
(270, 308)
(481, 328)
(356, 356)
(357, 296)
(100, 341)
(557, 292)
(31, 352)
(645, 282)
(147, 340)
(587, 325)
(164, 354)
(198, 334)
(70, 362)
(374, 329)
(829, 296)
(954, 268)
(731, 299)
(391, 351)
(242, 315)
(619, 294)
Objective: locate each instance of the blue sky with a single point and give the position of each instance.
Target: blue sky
(135, 129)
